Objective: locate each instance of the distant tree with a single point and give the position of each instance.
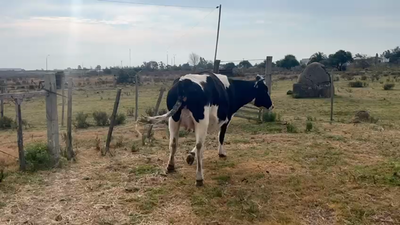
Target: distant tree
(229, 66)
(126, 76)
(393, 55)
(98, 67)
(363, 61)
(245, 64)
(318, 57)
(79, 67)
(150, 66)
(204, 64)
(288, 62)
(185, 66)
(107, 71)
(339, 59)
(194, 60)
(161, 65)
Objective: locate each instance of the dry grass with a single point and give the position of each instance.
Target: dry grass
(339, 173)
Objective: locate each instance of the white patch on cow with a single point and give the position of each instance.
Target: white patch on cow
(201, 132)
(173, 141)
(195, 78)
(224, 79)
(213, 125)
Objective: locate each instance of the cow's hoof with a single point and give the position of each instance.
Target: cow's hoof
(190, 159)
(199, 183)
(170, 169)
(222, 156)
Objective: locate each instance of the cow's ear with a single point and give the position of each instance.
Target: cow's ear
(258, 77)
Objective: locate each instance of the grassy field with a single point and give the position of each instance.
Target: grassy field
(338, 173)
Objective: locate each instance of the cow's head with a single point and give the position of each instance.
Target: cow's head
(262, 96)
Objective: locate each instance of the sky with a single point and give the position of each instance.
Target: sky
(93, 32)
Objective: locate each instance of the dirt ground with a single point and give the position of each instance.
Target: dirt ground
(337, 173)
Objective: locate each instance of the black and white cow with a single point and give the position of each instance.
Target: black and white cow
(207, 101)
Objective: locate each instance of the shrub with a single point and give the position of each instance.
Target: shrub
(135, 147)
(120, 119)
(363, 77)
(101, 118)
(80, 120)
(388, 86)
(6, 123)
(37, 157)
(348, 76)
(291, 128)
(289, 92)
(130, 112)
(120, 142)
(309, 126)
(269, 117)
(150, 111)
(357, 84)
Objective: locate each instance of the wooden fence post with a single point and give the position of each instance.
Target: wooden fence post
(53, 142)
(2, 90)
(136, 95)
(268, 73)
(332, 93)
(112, 122)
(216, 66)
(21, 153)
(268, 80)
(70, 151)
(162, 90)
(63, 99)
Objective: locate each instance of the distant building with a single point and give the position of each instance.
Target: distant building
(304, 61)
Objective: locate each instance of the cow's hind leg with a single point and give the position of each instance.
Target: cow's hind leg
(173, 143)
(201, 132)
(221, 134)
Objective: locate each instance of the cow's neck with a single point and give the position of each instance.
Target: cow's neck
(245, 92)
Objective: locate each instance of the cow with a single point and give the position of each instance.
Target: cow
(207, 101)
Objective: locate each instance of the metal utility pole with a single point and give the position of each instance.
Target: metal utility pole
(219, 23)
(174, 60)
(121, 63)
(167, 58)
(46, 61)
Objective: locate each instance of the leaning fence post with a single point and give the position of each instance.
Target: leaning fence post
(21, 153)
(112, 122)
(136, 95)
(70, 151)
(63, 99)
(155, 114)
(2, 90)
(53, 142)
(332, 92)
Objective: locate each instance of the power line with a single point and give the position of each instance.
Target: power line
(198, 23)
(160, 5)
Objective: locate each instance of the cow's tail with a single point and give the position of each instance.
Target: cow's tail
(158, 119)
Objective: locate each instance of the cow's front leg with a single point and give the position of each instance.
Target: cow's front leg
(173, 127)
(221, 135)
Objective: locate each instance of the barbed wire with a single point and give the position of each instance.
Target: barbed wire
(8, 154)
(240, 60)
